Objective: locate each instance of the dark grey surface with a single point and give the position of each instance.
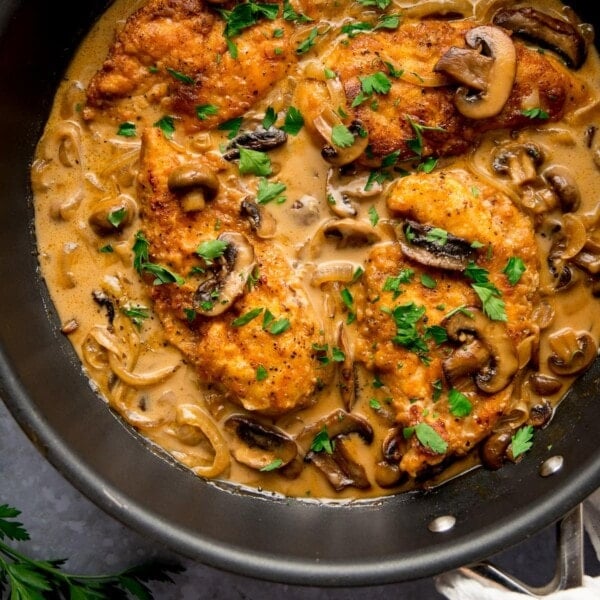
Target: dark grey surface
(63, 523)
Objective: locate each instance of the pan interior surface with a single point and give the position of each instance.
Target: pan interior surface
(288, 540)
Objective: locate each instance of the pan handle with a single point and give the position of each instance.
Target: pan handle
(569, 562)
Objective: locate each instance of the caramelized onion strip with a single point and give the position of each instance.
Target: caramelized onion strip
(189, 414)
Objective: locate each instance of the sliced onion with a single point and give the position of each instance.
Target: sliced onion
(190, 414)
(335, 270)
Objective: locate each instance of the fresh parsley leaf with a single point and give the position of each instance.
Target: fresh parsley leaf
(437, 387)
(127, 129)
(232, 125)
(116, 217)
(347, 298)
(269, 118)
(353, 29)
(392, 284)
(308, 42)
(141, 248)
(460, 405)
(387, 22)
(406, 317)
(246, 317)
(428, 281)
(380, 4)
(373, 216)
(329, 74)
(180, 76)
(358, 273)
(293, 122)
(375, 404)
(13, 530)
(162, 274)
(416, 143)
(514, 269)
(430, 438)
(289, 14)
(203, 111)
(136, 313)
(106, 249)
(488, 293)
(437, 236)
(261, 373)
(535, 113)
(376, 83)
(253, 162)
(337, 354)
(273, 465)
(210, 250)
(428, 165)
(522, 441)
(436, 333)
(167, 125)
(393, 71)
(321, 442)
(341, 136)
(247, 14)
(279, 326)
(268, 191)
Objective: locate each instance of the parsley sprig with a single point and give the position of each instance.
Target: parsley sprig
(32, 579)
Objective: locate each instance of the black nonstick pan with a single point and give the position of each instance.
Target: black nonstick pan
(294, 541)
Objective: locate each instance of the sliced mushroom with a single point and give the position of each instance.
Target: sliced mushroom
(563, 184)
(261, 221)
(503, 362)
(541, 414)
(194, 184)
(112, 215)
(216, 294)
(340, 468)
(260, 139)
(306, 210)
(492, 75)
(418, 244)
(339, 422)
(572, 351)
(258, 445)
(519, 161)
(558, 35)
(349, 233)
(467, 359)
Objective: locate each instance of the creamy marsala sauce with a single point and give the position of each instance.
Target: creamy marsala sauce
(84, 169)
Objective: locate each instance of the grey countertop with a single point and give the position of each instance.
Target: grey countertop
(64, 523)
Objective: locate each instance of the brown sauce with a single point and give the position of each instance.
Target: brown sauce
(79, 165)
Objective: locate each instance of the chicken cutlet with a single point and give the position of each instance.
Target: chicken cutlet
(392, 88)
(250, 325)
(409, 289)
(174, 53)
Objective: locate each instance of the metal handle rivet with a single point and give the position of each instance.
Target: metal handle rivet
(552, 465)
(442, 524)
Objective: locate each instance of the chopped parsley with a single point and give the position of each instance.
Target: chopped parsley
(210, 250)
(269, 191)
(203, 111)
(488, 293)
(522, 441)
(232, 125)
(377, 83)
(460, 405)
(514, 269)
(416, 143)
(392, 284)
(127, 129)
(274, 326)
(137, 314)
(246, 317)
(180, 76)
(373, 216)
(269, 118)
(272, 466)
(341, 136)
(380, 4)
(254, 162)
(375, 404)
(293, 122)
(535, 113)
(116, 217)
(406, 317)
(261, 373)
(437, 236)
(167, 125)
(428, 437)
(289, 14)
(428, 281)
(321, 442)
(308, 43)
(162, 274)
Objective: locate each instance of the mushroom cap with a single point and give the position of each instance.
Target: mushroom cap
(490, 101)
(217, 294)
(572, 351)
(503, 363)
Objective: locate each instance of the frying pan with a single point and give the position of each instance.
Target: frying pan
(288, 540)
